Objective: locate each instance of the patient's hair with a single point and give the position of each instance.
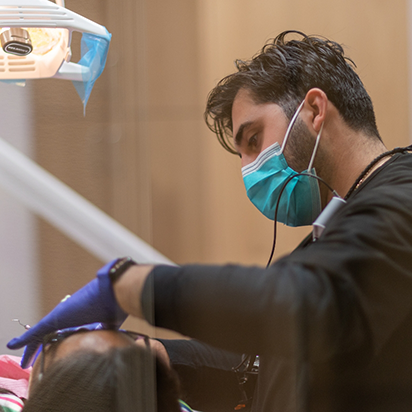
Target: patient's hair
(121, 379)
(6, 392)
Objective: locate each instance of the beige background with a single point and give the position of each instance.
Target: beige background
(143, 153)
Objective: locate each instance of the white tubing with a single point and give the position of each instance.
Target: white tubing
(65, 209)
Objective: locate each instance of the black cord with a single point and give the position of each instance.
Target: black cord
(278, 202)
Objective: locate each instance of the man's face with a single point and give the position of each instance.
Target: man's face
(257, 126)
(99, 341)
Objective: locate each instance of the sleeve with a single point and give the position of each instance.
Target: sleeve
(205, 373)
(346, 292)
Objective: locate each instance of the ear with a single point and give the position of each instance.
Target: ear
(314, 108)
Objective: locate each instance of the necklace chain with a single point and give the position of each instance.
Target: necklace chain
(369, 168)
(372, 169)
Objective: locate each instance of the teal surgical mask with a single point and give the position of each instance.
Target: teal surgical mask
(265, 177)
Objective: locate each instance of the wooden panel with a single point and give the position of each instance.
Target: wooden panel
(156, 113)
(130, 150)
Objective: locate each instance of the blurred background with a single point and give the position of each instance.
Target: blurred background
(143, 154)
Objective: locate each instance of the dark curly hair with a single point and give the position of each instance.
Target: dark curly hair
(282, 73)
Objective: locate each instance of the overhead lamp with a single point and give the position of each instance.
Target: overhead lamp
(35, 38)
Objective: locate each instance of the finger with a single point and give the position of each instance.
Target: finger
(33, 334)
(18, 343)
(30, 354)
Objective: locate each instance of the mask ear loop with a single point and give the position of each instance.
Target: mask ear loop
(292, 122)
(315, 149)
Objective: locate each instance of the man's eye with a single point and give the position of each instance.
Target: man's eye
(252, 141)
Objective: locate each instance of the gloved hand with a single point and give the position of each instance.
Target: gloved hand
(95, 302)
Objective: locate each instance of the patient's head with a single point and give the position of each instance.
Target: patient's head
(100, 371)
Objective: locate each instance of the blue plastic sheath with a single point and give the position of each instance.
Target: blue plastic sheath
(94, 51)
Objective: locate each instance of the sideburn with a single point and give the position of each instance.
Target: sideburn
(299, 147)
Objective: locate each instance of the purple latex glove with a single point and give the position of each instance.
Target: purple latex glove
(93, 303)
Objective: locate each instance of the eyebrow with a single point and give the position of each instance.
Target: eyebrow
(239, 135)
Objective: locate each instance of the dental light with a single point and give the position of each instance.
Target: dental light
(35, 37)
